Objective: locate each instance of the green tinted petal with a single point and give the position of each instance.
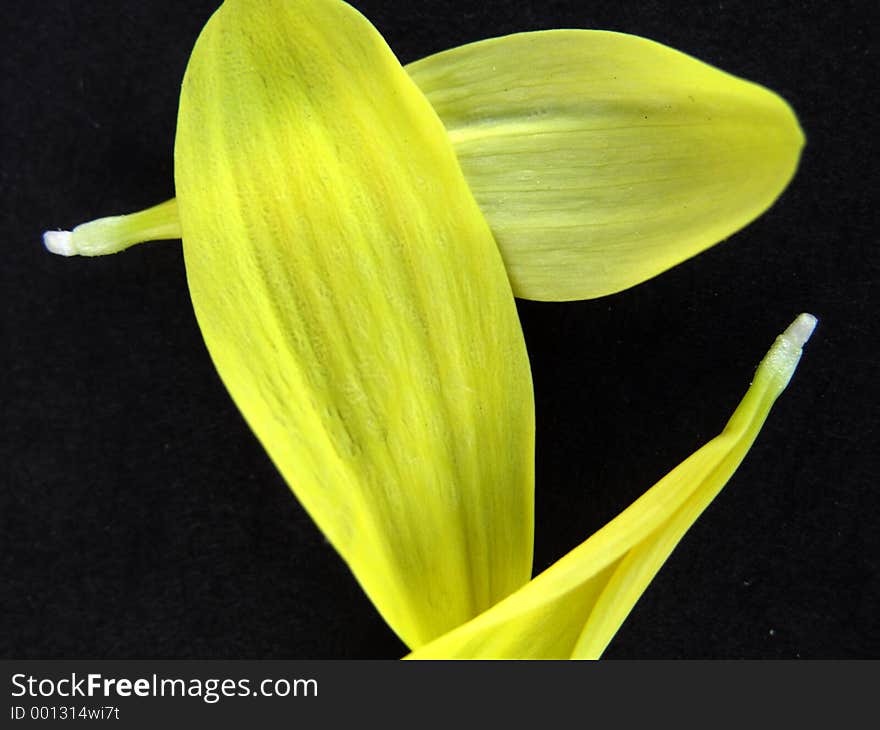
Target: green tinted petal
(574, 608)
(602, 159)
(356, 306)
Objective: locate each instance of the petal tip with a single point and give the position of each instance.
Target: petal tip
(59, 242)
(801, 329)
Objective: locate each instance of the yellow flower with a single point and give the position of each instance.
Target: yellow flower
(354, 234)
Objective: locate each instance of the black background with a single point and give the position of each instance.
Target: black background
(140, 518)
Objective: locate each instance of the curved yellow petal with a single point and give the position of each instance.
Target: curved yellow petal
(574, 608)
(602, 159)
(356, 306)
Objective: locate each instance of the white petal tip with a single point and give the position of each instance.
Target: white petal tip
(59, 242)
(799, 331)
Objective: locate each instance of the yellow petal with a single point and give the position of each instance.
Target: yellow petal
(574, 608)
(356, 306)
(602, 159)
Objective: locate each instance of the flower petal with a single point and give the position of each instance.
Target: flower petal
(574, 608)
(602, 159)
(356, 306)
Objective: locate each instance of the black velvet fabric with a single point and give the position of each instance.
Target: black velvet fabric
(139, 516)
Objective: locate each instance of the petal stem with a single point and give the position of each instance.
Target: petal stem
(642, 563)
(116, 233)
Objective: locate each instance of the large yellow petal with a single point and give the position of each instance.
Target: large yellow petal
(356, 306)
(574, 608)
(602, 159)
